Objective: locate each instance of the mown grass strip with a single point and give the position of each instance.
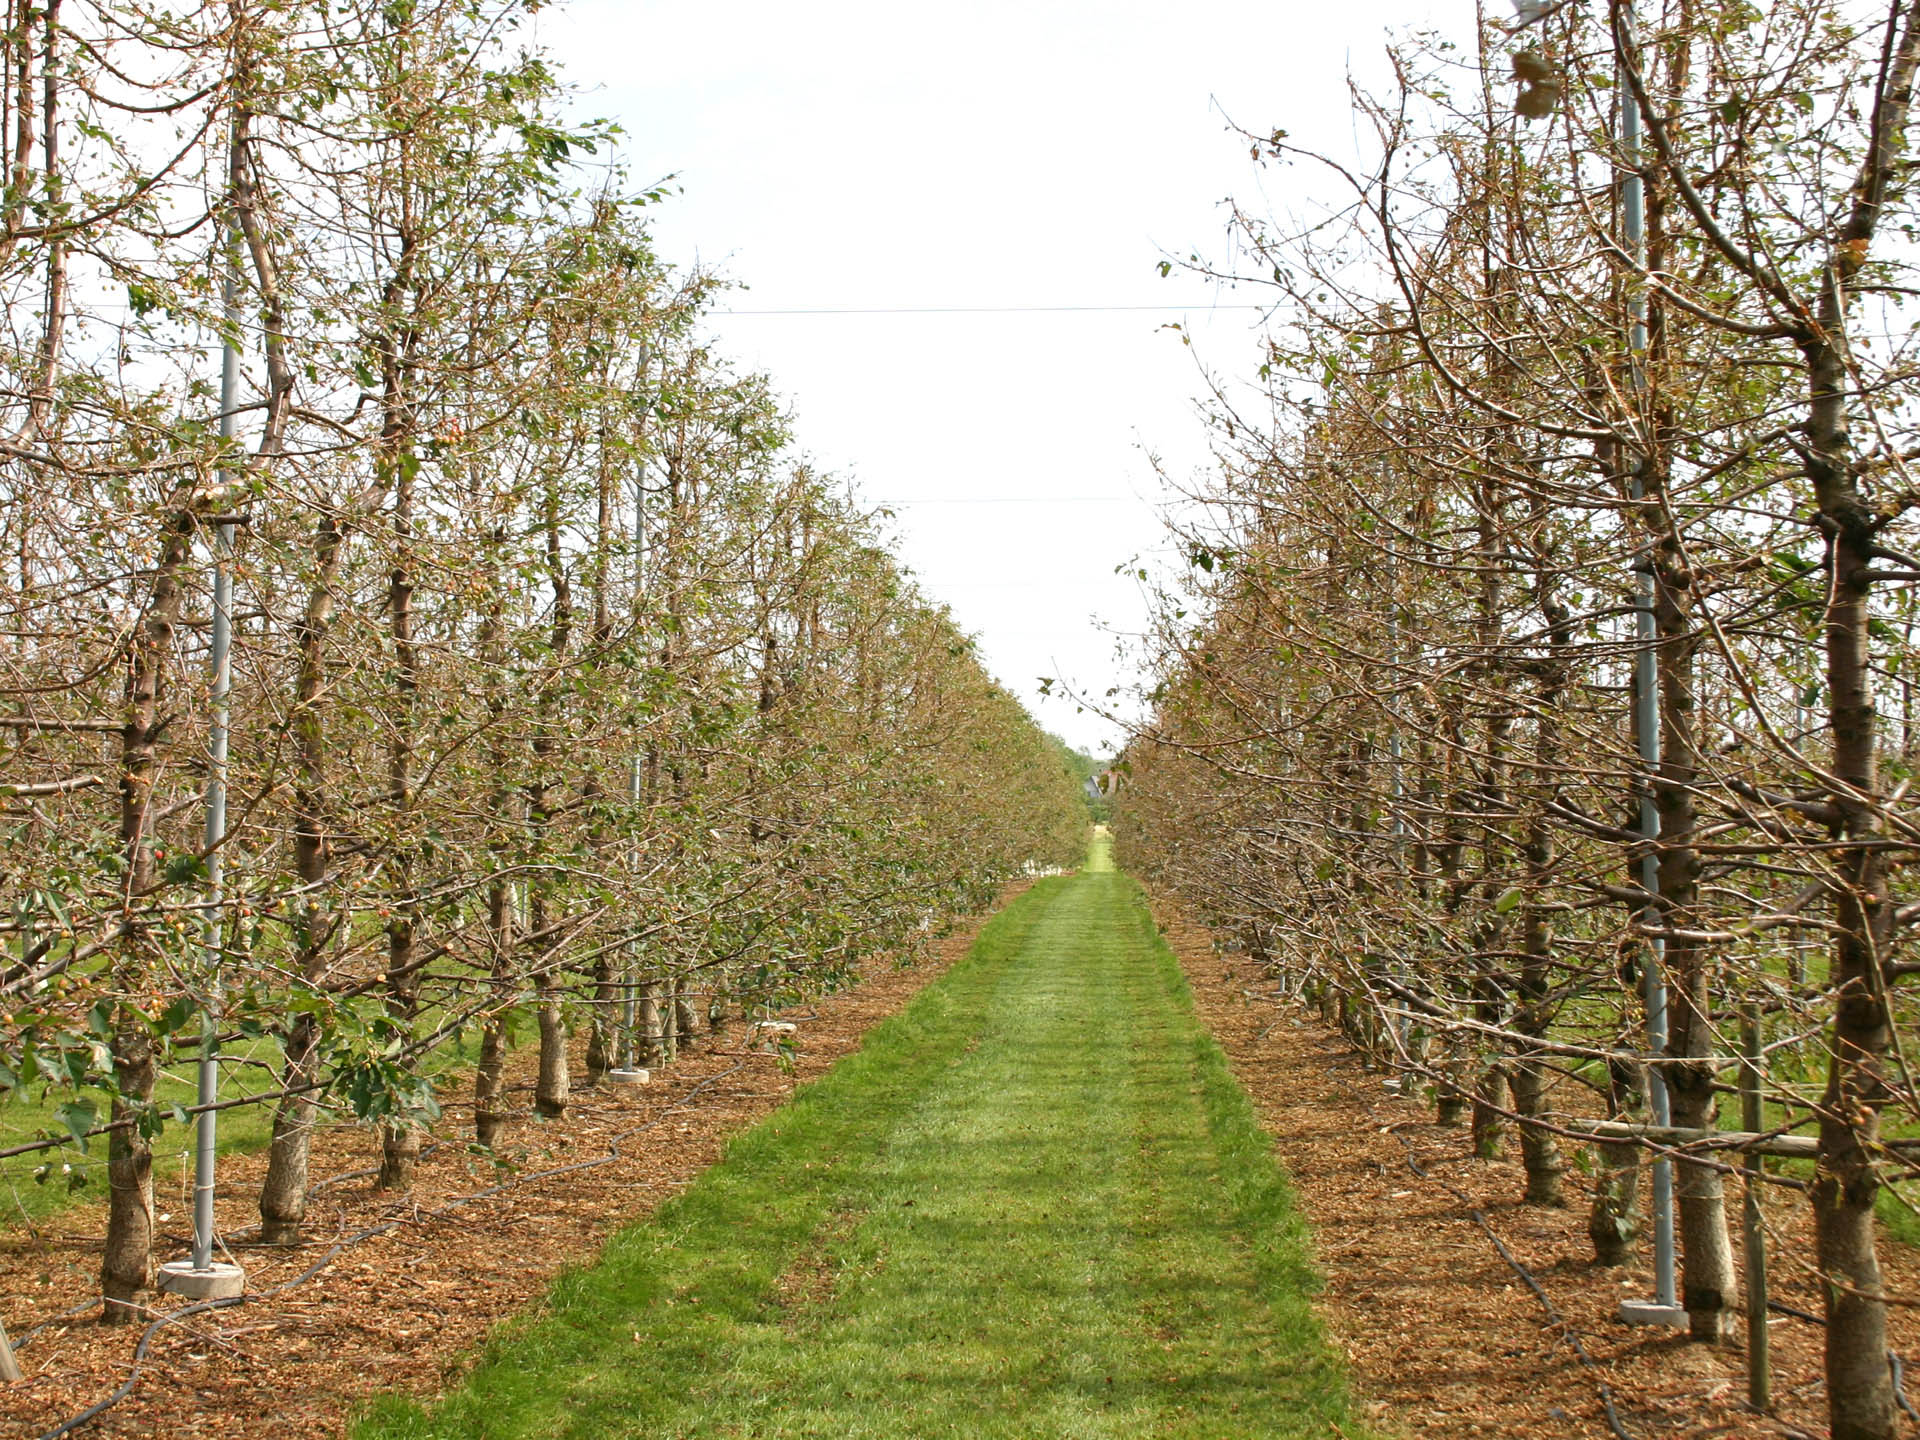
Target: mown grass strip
(1034, 1204)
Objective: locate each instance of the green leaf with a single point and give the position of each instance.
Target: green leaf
(78, 1116)
(184, 868)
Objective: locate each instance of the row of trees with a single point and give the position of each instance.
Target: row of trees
(1551, 624)
(560, 687)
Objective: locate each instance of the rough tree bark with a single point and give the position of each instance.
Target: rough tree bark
(283, 1193)
(552, 1088)
(126, 1260)
(1539, 1149)
(1846, 1185)
(489, 1075)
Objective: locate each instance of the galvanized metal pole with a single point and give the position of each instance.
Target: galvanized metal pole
(216, 833)
(219, 662)
(1665, 1309)
(633, 955)
(203, 1279)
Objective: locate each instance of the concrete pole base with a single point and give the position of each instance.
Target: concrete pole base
(1652, 1312)
(9, 1367)
(217, 1282)
(625, 1076)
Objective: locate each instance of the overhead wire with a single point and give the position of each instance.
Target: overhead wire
(991, 309)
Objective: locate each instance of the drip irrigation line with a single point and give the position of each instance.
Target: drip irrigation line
(1554, 1317)
(1894, 1365)
(315, 1188)
(67, 1427)
(99, 1407)
(1796, 1312)
(1900, 1385)
(363, 1172)
(26, 1337)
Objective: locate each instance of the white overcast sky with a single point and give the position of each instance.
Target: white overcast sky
(844, 154)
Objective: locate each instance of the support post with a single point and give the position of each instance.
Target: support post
(201, 1278)
(1759, 1361)
(1665, 1308)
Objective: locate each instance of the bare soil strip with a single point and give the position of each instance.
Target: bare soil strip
(1445, 1339)
(399, 1311)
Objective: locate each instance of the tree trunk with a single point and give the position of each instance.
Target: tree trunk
(553, 1089)
(400, 1134)
(653, 1043)
(1539, 1148)
(399, 1153)
(1489, 1122)
(489, 1083)
(600, 1039)
(283, 1194)
(1859, 1383)
(1846, 1182)
(1614, 1222)
(1708, 1283)
(126, 1262)
(686, 1023)
(489, 1075)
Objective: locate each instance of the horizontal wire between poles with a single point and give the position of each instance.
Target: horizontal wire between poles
(1011, 500)
(992, 310)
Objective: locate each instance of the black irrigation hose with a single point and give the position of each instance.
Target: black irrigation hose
(68, 1426)
(1894, 1367)
(1900, 1386)
(1606, 1395)
(27, 1335)
(1560, 1321)
(315, 1188)
(1796, 1312)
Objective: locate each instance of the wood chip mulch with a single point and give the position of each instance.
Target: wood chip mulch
(1444, 1337)
(401, 1310)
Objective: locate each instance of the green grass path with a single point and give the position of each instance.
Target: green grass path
(1033, 1205)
